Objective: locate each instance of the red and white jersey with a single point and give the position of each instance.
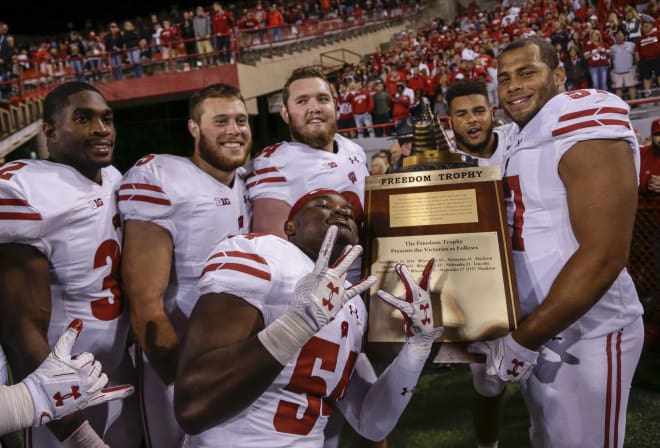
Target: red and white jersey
(537, 209)
(197, 210)
(288, 170)
(75, 224)
(293, 411)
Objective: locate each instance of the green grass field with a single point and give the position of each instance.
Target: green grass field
(439, 414)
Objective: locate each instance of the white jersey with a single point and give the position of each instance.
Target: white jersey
(293, 411)
(74, 223)
(197, 210)
(537, 209)
(288, 170)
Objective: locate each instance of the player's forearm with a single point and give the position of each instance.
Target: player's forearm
(580, 284)
(386, 399)
(221, 383)
(157, 339)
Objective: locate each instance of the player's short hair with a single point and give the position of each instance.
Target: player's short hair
(58, 98)
(464, 88)
(218, 90)
(547, 51)
(302, 73)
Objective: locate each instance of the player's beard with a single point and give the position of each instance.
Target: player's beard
(211, 152)
(316, 139)
(478, 148)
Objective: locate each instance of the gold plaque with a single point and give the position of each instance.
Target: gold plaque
(456, 216)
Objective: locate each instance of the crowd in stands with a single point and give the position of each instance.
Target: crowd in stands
(200, 36)
(606, 44)
(610, 45)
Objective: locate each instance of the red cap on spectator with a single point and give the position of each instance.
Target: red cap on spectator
(655, 127)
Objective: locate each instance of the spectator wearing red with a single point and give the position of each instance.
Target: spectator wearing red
(248, 24)
(597, 55)
(169, 38)
(363, 105)
(647, 54)
(222, 23)
(416, 80)
(345, 118)
(275, 22)
(649, 172)
(400, 104)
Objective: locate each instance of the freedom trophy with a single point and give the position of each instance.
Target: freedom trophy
(442, 205)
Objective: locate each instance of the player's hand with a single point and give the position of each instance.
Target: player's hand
(654, 183)
(415, 305)
(320, 295)
(63, 384)
(506, 358)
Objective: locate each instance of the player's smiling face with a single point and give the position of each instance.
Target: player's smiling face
(223, 137)
(472, 122)
(526, 83)
(317, 215)
(84, 133)
(310, 113)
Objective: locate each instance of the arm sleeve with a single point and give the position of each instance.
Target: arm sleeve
(16, 408)
(142, 196)
(373, 406)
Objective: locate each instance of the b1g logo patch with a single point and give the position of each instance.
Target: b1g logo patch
(96, 203)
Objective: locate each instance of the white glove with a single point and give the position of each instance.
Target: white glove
(415, 306)
(63, 384)
(320, 295)
(506, 358)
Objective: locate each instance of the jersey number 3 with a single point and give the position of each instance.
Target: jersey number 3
(313, 387)
(106, 309)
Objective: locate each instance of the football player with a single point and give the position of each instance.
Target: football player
(274, 342)
(42, 396)
(316, 157)
(175, 210)
(471, 118)
(60, 245)
(571, 193)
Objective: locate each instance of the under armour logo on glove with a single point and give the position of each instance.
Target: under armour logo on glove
(516, 364)
(506, 359)
(320, 294)
(415, 305)
(334, 290)
(426, 320)
(59, 398)
(60, 372)
(405, 391)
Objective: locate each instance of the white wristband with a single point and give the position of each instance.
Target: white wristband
(84, 436)
(285, 336)
(16, 408)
